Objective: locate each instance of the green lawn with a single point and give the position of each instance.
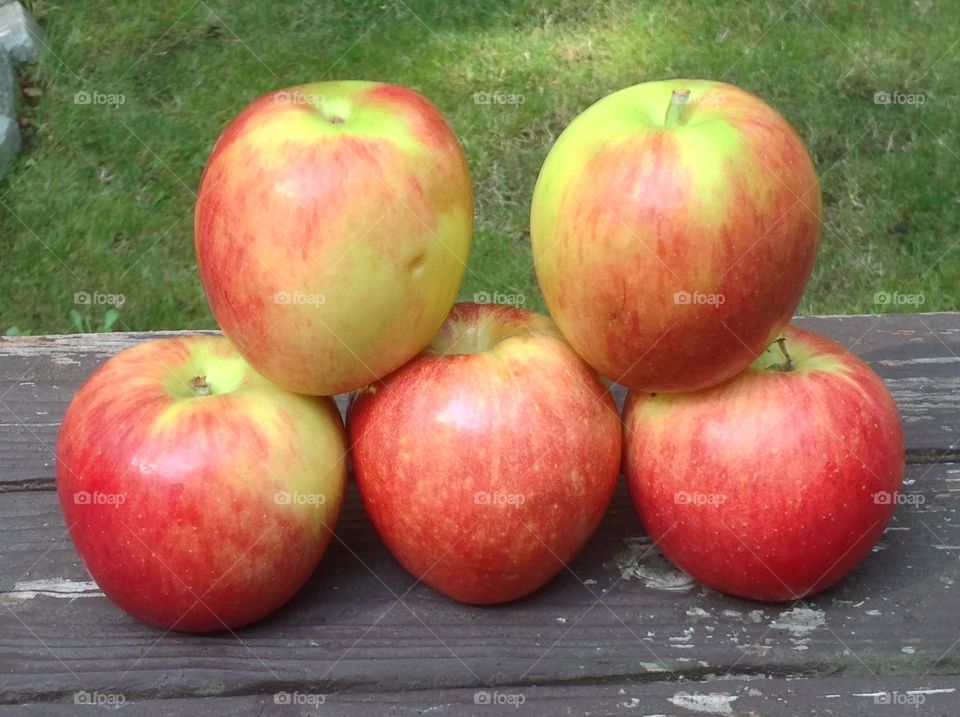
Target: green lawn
(102, 199)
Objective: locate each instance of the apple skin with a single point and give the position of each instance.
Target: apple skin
(627, 213)
(198, 513)
(487, 462)
(772, 485)
(324, 203)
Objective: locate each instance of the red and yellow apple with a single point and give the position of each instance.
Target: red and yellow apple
(772, 485)
(199, 495)
(487, 462)
(674, 226)
(332, 228)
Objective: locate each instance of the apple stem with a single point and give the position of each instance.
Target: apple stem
(199, 386)
(678, 101)
(787, 364)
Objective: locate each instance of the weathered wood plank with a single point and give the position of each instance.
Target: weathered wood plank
(38, 377)
(361, 625)
(734, 695)
(916, 353)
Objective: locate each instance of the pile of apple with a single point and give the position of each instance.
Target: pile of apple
(674, 227)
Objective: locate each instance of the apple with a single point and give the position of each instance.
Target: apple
(487, 462)
(674, 226)
(774, 484)
(199, 495)
(332, 228)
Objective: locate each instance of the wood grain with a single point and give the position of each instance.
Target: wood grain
(620, 633)
(917, 354)
(362, 624)
(937, 696)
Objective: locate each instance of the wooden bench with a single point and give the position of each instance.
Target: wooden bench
(620, 633)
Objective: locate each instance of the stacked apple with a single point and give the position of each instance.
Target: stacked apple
(487, 462)
(674, 228)
(199, 495)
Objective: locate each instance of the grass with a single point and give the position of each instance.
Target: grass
(102, 199)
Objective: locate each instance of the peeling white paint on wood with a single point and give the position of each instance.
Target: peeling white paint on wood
(715, 703)
(20, 424)
(60, 588)
(653, 667)
(800, 621)
(921, 360)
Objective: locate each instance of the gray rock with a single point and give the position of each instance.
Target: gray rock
(9, 144)
(20, 34)
(9, 90)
